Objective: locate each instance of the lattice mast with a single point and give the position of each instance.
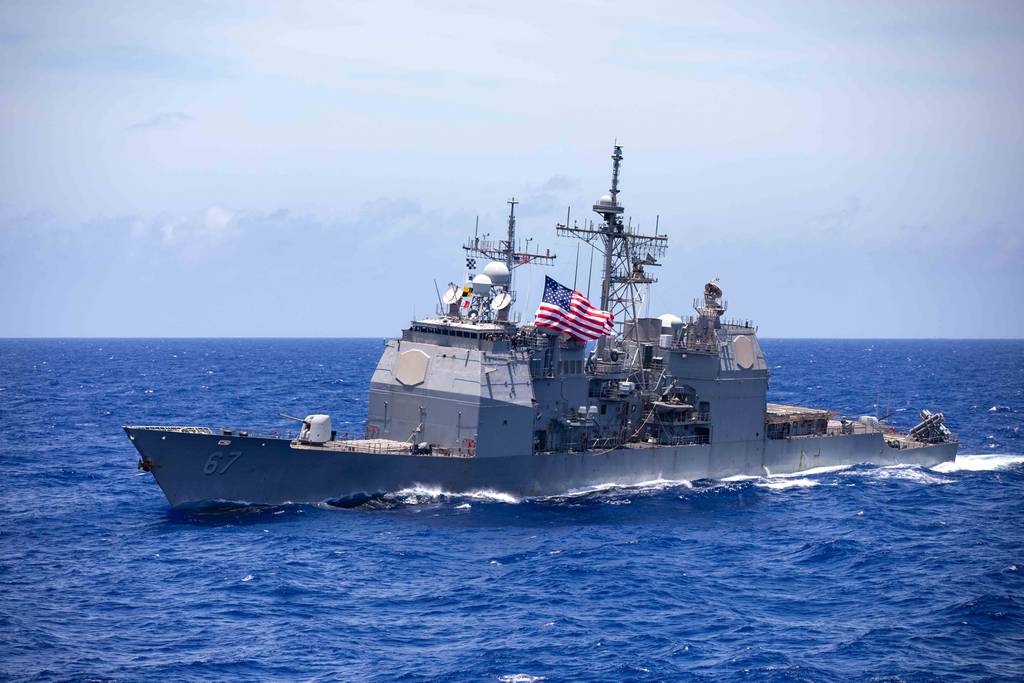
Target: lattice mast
(626, 253)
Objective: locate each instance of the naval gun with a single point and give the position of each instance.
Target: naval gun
(316, 429)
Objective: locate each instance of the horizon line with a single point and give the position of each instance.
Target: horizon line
(300, 338)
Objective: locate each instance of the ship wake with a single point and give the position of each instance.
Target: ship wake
(619, 493)
(980, 463)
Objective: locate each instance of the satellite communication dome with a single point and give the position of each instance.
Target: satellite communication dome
(670, 320)
(605, 200)
(498, 272)
(481, 285)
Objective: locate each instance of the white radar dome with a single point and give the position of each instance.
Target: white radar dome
(481, 285)
(605, 199)
(498, 272)
(670, 320)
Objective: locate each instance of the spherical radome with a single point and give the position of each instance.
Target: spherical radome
(497, 272)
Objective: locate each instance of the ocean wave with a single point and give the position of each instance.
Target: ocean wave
(425, 494)
(913, 473)
(980, 463)
(651, 486)
(781, 484)
(811, 472)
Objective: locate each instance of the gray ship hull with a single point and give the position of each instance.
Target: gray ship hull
(199, 470)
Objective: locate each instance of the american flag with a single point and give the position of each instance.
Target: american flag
(569, 311)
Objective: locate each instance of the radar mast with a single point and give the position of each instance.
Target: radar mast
(626, 253)
(506, 250)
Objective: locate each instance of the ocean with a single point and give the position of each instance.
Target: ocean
(864, 573)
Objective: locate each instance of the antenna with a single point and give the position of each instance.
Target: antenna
(438, 291)
(505, 250)
(501, 301)
(510, 255)
(452, 294)
(590, 273)
(616, 161)
(576, 268)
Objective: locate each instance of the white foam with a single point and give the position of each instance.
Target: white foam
(979, 463)
(813, 471)
(520, 678)
(782, 484)
(588, 490)
(643, 486)
(489, 495)
(247, 578)
(790, 480)
(419, 490)
(912, 473)
(417, 493)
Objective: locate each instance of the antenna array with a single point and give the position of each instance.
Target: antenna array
(506, 250)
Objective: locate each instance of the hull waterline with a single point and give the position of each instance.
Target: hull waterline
(201, 470)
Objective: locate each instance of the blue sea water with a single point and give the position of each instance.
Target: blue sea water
(859, 574)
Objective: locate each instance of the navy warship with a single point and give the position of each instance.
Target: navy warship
(471, 398)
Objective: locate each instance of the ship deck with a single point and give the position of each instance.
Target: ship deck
(384, 446)
(780, 412)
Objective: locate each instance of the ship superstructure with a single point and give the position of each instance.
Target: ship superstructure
(472, 398)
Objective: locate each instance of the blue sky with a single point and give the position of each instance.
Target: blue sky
(307, 169)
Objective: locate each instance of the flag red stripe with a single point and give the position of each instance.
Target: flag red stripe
(583, 321)
(580, 303)
(590, 315)
(557, 313)
(564, 328)
(588, 332)
(560, 320)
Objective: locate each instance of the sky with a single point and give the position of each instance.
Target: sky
(311, 168)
